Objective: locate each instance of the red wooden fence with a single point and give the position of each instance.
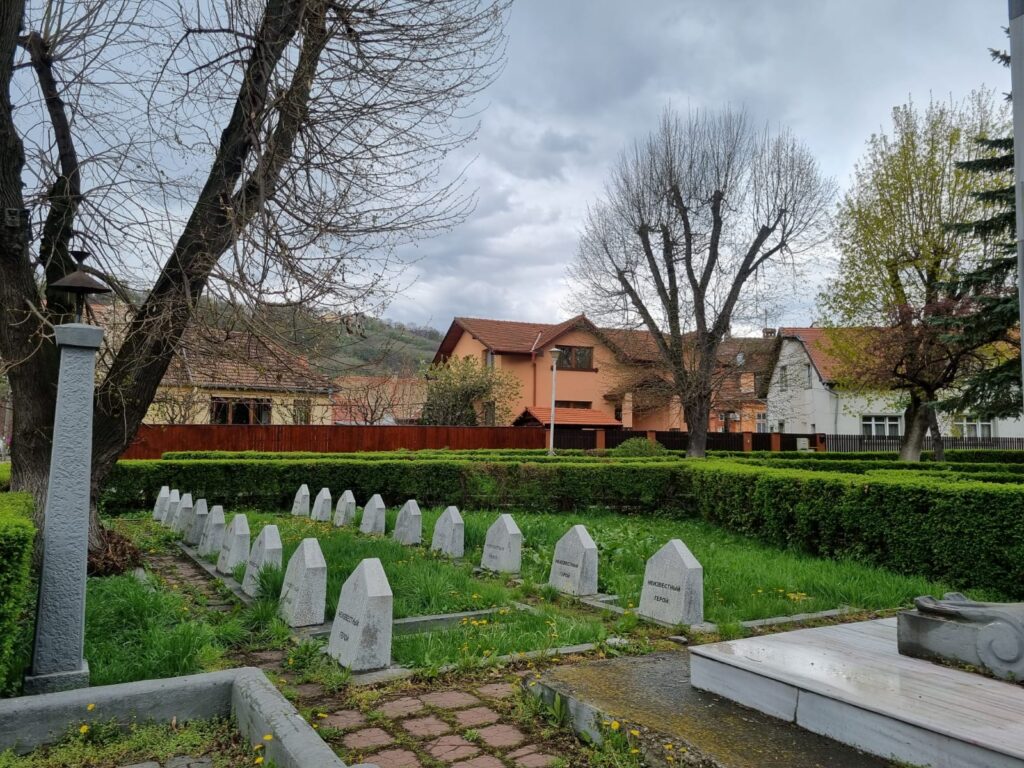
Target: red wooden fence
(153, 440)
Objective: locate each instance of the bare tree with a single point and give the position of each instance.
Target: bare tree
(690, 215)
(258, 150)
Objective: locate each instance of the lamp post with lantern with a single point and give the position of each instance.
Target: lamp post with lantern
(57, 657)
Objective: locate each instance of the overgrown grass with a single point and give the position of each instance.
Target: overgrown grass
(743, 579)
(106, 745)
(135, 631)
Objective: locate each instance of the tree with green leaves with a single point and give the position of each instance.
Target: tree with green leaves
(464, 392)
(901, 263)
(994, 389)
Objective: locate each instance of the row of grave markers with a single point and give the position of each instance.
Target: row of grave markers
(673, 587)
(360, 636)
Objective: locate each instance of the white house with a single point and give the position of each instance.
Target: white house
(803, 397)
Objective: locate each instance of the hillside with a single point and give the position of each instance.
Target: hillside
(378, 346)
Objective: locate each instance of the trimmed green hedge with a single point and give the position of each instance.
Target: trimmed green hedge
(539, 457)
(967, 532)
(5, 476)
(981, 455)
(17, 539)
(859, 467)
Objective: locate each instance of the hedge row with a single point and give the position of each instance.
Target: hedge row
(5, 476)
(860, 466)
(539, 457)
(976, 456)
(17, 539)
(966, 532)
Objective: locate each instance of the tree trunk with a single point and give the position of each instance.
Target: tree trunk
(916, 417)
(938, 449)
(697, 414)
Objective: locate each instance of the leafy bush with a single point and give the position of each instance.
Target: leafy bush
(639, 446)
(17, 540)
(5, 475)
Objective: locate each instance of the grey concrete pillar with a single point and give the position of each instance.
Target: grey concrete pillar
(57, 662)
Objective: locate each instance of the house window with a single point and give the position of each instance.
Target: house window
(783, 378)
(741, 358)
(782, 425)
(618, 411)
(762, 422)
(302, 411)
(576, 359)
(972, 426)
(880, 426)
(573, 404)
(225, 410)
(807, 376)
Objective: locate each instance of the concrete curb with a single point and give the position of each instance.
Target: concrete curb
(28, 722)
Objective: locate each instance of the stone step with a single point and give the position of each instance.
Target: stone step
(653, 693)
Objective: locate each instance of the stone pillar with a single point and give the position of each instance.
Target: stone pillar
(599, 440)
(776, 441)
(57, 662)
(748, 442)
(652, 436)
(820, 443)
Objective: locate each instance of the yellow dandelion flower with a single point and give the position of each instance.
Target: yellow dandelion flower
(268, 737)
(83, 730)
(634, 751)
(258, 760)
(634, 732)
(90, 707)
(615, 725)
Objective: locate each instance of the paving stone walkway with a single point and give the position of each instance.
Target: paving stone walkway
(181, 574)
(463, 728)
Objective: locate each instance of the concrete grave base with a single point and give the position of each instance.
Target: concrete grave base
(257, 706)
(57, 681)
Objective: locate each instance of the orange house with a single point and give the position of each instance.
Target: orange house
(607, 377)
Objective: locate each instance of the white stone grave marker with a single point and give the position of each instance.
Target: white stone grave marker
(196, 527)
(503, 547)
(449, 533)
(300, 507)
(213, 536)
(235, 547)
(673, 590)
(322, 505)
(574, 564)
(305, 586)
(345, 512)
(162, 500)
(184, 516)
(172, 508)
(409, 524)
(266, 552)
(361, 632)
(373, 515)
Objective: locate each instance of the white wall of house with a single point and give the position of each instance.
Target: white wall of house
(800, 402)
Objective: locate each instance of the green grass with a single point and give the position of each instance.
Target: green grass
(5, 475)
(105, 745)
(476, 642)
(134, 631)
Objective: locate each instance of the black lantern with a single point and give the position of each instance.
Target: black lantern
(80, 283)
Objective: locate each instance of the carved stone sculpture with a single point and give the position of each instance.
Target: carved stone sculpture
(961, 630)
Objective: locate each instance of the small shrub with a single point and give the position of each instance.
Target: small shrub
(639, 446)
(17, 540)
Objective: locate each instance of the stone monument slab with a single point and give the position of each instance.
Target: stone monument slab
(322, 505)
(197, 525)
(305, 586)
(673, 589)
(361, 632)
(409, 524)
(373, 515)
(574, 564)
(213, 536)
(345, 512)
(234, 549)
(449, 534)
(300, 506)
(266, 553)
(162, 500)
(503, 547)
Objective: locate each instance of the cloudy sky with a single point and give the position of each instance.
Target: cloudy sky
(585, 77)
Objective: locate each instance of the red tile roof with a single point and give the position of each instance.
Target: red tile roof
(574, 417)
(818, 343)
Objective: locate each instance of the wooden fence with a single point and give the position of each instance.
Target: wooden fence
(854, 443)
(153, 440)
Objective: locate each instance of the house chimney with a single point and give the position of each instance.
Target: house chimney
(767, 333)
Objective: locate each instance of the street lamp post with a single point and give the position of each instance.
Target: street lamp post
(555, 352)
